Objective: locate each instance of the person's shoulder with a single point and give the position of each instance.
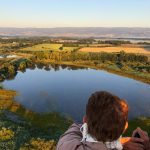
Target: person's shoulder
(73, 144)
(78, 145)
(71, 137)
(74, 130)
(71, 140)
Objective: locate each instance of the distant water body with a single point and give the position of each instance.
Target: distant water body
(67, 89)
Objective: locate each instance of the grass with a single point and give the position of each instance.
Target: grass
(6, 98)
(139, 50)
(7, 45)
(143, 123)
(23, 136)
(45, 120)
(43, 47)
(69, 48)
(23, 129)
(7, 93)
(47, 47)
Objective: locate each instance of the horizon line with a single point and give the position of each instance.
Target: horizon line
(74, 27)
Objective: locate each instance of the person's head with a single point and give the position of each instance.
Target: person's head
(106, 116)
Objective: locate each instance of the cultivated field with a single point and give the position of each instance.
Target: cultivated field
(43, 47)
(116, 49)
(47, 47)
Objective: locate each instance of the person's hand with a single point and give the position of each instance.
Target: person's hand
(144, 136)
(132, 143)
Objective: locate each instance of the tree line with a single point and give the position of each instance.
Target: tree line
(114, 42)
(100, 57)
(9, 70)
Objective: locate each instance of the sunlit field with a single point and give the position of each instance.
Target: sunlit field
(48, 47)
(116, 49)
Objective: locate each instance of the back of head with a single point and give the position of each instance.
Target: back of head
(106, 116)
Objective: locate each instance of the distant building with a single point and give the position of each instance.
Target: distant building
(8, 56)
(11, 56)
(64, 41)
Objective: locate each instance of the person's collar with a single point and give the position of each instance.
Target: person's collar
(88, 138)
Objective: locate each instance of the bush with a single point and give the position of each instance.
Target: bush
(6, 134)
(39, 144)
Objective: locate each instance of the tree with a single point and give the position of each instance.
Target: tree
(61, 48)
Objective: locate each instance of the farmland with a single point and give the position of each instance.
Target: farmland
(138, 50)
(47, 47)
(109, 48)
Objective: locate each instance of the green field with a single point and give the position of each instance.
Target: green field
(47, 47)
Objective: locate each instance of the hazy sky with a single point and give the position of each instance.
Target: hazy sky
(74, 13)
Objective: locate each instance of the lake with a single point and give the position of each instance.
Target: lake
(66, 90)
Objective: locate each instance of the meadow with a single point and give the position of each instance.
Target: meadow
(48, 47)
(127, 49)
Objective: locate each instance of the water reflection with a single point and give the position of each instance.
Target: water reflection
(56, 67)
(63, 89)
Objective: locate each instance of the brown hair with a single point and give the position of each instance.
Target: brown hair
(106, 116)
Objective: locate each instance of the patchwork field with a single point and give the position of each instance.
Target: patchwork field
(43, 47)
(116, 49)
(47, 47)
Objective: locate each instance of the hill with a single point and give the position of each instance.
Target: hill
(115, 32)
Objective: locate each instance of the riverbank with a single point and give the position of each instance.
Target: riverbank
(24, 129)
(22, 135)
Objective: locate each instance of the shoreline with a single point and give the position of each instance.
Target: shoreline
(110, 68)
(116, 72)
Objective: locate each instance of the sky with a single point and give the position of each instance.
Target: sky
(74, 13)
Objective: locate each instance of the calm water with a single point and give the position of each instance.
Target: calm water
(66, 91)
